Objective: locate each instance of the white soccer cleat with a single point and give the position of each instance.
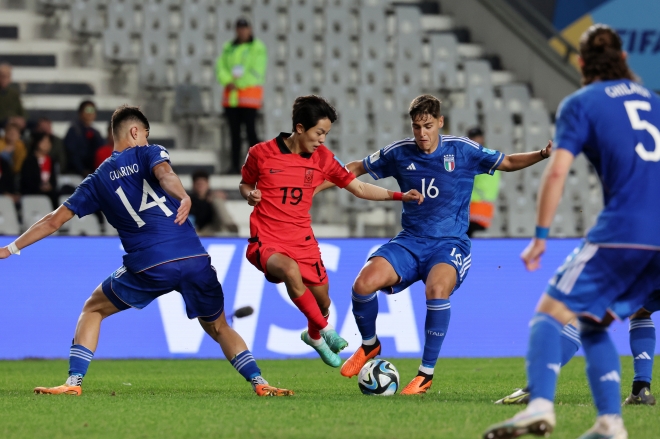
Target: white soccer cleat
(607, 427)
(538, 423)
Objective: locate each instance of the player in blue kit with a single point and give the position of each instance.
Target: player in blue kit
(144, 200)
(433, 246)
(614, 121)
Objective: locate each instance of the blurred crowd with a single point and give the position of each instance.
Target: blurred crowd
(32, 158)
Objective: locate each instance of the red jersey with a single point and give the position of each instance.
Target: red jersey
(287, 182)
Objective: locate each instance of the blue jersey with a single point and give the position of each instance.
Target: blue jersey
(616, 125)
(131, 198)
(445, 178)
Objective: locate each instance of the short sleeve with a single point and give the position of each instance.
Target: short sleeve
(379, 164)
(250, 170)
(155, 155)
(484, 160)
(336, 172)
(572, 127)
(83, 201)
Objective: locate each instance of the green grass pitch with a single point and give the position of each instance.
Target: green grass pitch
(207, 398)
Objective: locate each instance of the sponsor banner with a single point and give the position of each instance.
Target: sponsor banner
(43, 291)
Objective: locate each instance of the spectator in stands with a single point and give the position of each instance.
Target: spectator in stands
(57, 152)
(39, 176)
(8, 180)
(208, 212)
(82, 140)
(241, 69)
(105, 151)
(12, 148)
(484, 193)
(11, 107)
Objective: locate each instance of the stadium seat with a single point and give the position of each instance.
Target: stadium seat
(155, 54)
(565, 221)
(85, 18)
(121, 15)
(444, 57)
(302, 20)
(33, 208)
(498, 130)
(373, 53)
(85, 226)
(266, 24)
(195, 15)
(187, 101)
(70, 180)
(515, 97)
(117, 45)
(338, 47)
(408, 33)
(190, 61)
(536, 128)
(187, 161)
(240, 212)
(478, 84)
(8, 217)
(461, 120)
(156, 15)
(521, 217)
(226, 14)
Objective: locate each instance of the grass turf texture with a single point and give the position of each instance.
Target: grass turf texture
(207, 398)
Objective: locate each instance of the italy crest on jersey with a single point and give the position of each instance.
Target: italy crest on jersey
(450, 164)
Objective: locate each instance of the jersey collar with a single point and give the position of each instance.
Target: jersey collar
(285, 149)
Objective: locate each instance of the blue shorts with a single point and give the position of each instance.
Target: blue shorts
(413, 258)
(652, 304)
(598, 280)
(195, 278)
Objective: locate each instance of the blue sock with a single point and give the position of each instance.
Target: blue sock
(79, 359)
(543, 356)
(438, 313)
(603, 368)
(642, 345)
(244, 364)
(365, 310)
(570, 343)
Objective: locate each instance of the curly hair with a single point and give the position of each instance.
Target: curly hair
(602, 54)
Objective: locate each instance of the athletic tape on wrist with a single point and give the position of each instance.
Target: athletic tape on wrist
(542, 232)
(397, 196)
(13, 249)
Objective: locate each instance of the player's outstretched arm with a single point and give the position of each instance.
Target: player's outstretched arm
(355, 167)
(549, 196)
(515, 162)
(368, 191)
(46, 226)
(171, 184)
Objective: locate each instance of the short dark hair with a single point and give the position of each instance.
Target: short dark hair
(200, 173)
(83, 104)
(601, 49)
(424, 105)
(126, 113)
(36, 140)
(474, 132)
(308, 110)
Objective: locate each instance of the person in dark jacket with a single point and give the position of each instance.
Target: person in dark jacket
(82, 140)
(39, 176)
(7, 180)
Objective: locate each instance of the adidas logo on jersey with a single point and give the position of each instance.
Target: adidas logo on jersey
(411, 167)
(643, 356)
(611, 376)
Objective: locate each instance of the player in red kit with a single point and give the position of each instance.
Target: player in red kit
(279, 178)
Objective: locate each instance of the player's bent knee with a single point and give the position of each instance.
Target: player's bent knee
(438, 291)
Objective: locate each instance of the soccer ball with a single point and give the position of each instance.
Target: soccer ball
(378, 377)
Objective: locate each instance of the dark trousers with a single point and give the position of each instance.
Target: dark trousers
(474, 227)
(237, 117)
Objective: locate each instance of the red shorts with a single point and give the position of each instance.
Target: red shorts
(308, 257)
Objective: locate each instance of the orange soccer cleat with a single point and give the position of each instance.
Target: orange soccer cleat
(64, 389)
(355, 362)
(266, 390)
(419, 385)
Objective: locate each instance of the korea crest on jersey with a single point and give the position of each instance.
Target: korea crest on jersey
(450, 164)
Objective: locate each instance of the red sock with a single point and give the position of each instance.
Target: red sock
(308, 306)
(313, 330)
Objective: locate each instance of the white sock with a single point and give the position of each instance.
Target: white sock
(313, 342)
(541, 405)
(370, 342)
(426, 370)
(74, 380)
(612, 423)
(327, 328)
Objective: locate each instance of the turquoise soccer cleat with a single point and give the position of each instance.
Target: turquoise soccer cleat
(330, 358)
(334, 341)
